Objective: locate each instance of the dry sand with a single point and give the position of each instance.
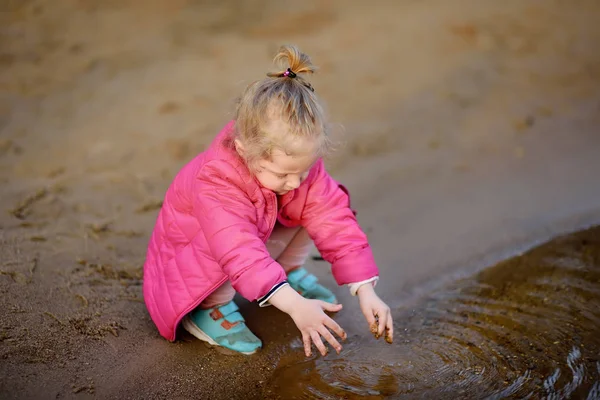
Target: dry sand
(471, 131)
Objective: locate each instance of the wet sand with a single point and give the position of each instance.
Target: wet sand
(471, 133)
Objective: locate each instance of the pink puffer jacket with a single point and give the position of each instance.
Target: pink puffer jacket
(215, 221)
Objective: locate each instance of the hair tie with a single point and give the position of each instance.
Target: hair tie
(289, 73)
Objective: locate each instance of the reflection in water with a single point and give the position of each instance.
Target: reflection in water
(528, 327)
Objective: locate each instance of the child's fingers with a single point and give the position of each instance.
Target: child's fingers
(369, 316)
(316, 338)
(389, 335)
(372, 321)
(330, 306)
(329, 337)
(307, 346)
(331, 324)
(383, 317)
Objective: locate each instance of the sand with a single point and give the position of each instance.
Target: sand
(469, 131)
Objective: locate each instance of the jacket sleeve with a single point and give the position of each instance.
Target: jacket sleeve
(228, 220)
(332, 225)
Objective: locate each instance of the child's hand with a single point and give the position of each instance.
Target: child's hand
(313, 323)
(310, 318)
(376, 312)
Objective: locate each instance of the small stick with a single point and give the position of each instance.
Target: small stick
(20, 211)
(48, 313)
(32, 269)
(83, 299)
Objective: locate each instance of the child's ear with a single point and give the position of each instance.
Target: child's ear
(239, 147)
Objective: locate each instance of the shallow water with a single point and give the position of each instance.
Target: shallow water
(528, 327)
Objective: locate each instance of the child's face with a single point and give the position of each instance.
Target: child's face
(283, 173)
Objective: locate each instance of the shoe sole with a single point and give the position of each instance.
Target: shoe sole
(193, 329)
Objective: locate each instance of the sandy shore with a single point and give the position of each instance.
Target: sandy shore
(471, 131)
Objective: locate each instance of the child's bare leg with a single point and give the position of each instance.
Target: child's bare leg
(291, 247)
(223, 295)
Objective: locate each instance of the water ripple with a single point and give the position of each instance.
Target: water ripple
(525, 328)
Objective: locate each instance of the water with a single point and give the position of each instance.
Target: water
(528, 327)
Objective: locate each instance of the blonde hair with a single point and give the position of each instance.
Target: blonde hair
(286, 95)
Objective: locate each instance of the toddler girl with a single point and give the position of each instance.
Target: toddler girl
(242, 215)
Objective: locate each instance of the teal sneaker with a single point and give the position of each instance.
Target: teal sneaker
(222, 326)
(309, 287)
